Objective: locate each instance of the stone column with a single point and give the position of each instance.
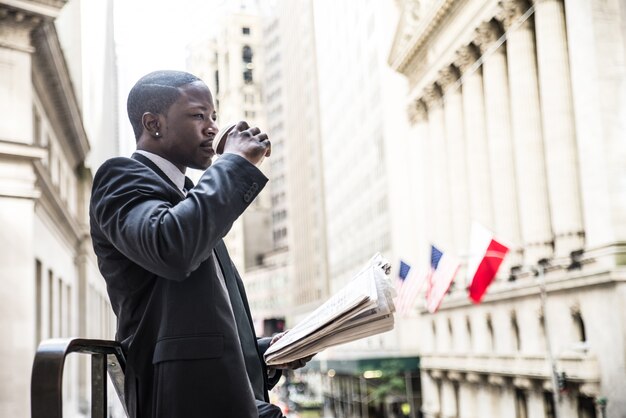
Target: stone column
(500, 143)
(455, 142)
(536, 408)
(467, 400)
(430, 396)
(477, 153)
(485, 400)
(507, 401)
(448, 400)
(420, 183)
(527, 134)
(558, 126)
(439, 177)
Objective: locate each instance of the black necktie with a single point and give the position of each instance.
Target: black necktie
(188, 185)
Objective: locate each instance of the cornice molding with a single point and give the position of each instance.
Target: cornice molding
(20, 150)
(53, 84)
(42, 8)
(56, 208)
(402, 54)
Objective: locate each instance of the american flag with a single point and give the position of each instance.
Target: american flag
(443, 268)
(408, 285)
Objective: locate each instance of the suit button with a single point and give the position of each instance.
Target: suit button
(254, 187)
(246, 197)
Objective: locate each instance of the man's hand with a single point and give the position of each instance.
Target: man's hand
(250, 143)
(296, 364)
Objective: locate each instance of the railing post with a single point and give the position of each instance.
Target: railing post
(98, 385)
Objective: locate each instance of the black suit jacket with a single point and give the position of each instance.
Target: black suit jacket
(175, 321)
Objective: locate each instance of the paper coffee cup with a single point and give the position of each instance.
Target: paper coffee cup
(220, 138)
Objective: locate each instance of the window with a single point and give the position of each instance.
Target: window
(434, 329)
(50, 303)
(246, 54)
(36, 127)
(468, 325)
(38, 301)
(517, 344)
(245, 30)
(579, 325)
(490, 332)
(247, 76)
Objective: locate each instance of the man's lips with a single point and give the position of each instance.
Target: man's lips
(207, 146)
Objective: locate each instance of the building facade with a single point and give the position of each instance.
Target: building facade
(520, 108)
(367, 165)
(296, 186)
(51, 287)
(232, 65)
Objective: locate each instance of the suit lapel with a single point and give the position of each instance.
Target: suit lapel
(233, 282)
(148, 162)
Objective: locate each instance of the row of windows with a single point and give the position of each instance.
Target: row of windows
(278, 198)
(280, 234)
(279, 215)
(577, 322)
(53, 305)
(55, 308)
(61, 173)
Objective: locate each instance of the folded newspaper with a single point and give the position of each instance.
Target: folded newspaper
(364, 307)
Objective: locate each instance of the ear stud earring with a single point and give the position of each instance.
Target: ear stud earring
(157, 134)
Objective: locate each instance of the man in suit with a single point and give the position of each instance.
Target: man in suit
(183, 316)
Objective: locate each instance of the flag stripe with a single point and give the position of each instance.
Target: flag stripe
(486, 271)
(444, 269)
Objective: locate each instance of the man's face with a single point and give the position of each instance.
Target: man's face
(189, 127)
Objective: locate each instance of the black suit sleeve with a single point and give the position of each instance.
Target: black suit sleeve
(131, 207)
(274, 376)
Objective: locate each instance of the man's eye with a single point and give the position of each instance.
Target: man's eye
(199, 115)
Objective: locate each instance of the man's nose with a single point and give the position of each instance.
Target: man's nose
(211, 127)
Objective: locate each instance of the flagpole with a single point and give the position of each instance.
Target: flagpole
(541, 267)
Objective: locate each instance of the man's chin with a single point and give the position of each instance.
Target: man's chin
(201, 165)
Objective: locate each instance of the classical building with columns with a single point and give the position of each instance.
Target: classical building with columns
(520, 110)
(50, 286)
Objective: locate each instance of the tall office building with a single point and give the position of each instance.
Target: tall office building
(521, 108)
(50, 282)
(232, 66)
(296, 184)
(280, 241)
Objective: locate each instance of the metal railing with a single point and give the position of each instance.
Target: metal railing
(46, 395)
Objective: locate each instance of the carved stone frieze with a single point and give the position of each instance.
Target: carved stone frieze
(510, 11)
(417, 111)
(15, 28)
(466, 56)
(486, 34)
(447, 77)
(432, 95)
(522, 383)
(431, 14)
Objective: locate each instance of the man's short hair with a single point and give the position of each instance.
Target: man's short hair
(155, 93)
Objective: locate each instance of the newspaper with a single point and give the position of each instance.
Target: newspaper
(362, 308)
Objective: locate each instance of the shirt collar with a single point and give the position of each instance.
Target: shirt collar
(167, 167)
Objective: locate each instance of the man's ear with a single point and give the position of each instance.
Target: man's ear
(152, 124)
